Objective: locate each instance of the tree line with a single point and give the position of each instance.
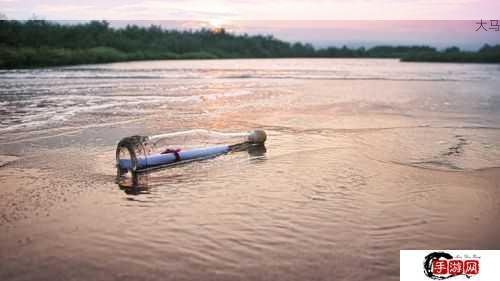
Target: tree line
(37, 43)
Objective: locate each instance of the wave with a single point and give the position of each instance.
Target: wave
(271, 69)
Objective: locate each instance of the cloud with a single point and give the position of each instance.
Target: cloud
(123, 10)
(167, 10)
(256, 9)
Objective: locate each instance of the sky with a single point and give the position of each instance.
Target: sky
(322, 22)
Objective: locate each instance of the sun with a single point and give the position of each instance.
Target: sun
(216, 23)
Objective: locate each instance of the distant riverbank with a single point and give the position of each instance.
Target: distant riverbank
(38, 43)
(40, 57)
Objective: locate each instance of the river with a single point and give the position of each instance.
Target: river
(364, 157)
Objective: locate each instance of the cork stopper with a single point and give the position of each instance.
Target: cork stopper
(257, 137)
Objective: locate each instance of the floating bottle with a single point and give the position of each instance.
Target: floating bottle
(144, 153)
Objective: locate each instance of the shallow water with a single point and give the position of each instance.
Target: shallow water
(364, 158)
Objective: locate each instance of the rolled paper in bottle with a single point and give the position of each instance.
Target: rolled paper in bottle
(171, 157)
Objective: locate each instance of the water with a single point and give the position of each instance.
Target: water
(364, 158)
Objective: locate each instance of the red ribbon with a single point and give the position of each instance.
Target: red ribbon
(174, 151)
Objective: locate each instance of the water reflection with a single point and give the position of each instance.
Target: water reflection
(134, 184)
(257, 151)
